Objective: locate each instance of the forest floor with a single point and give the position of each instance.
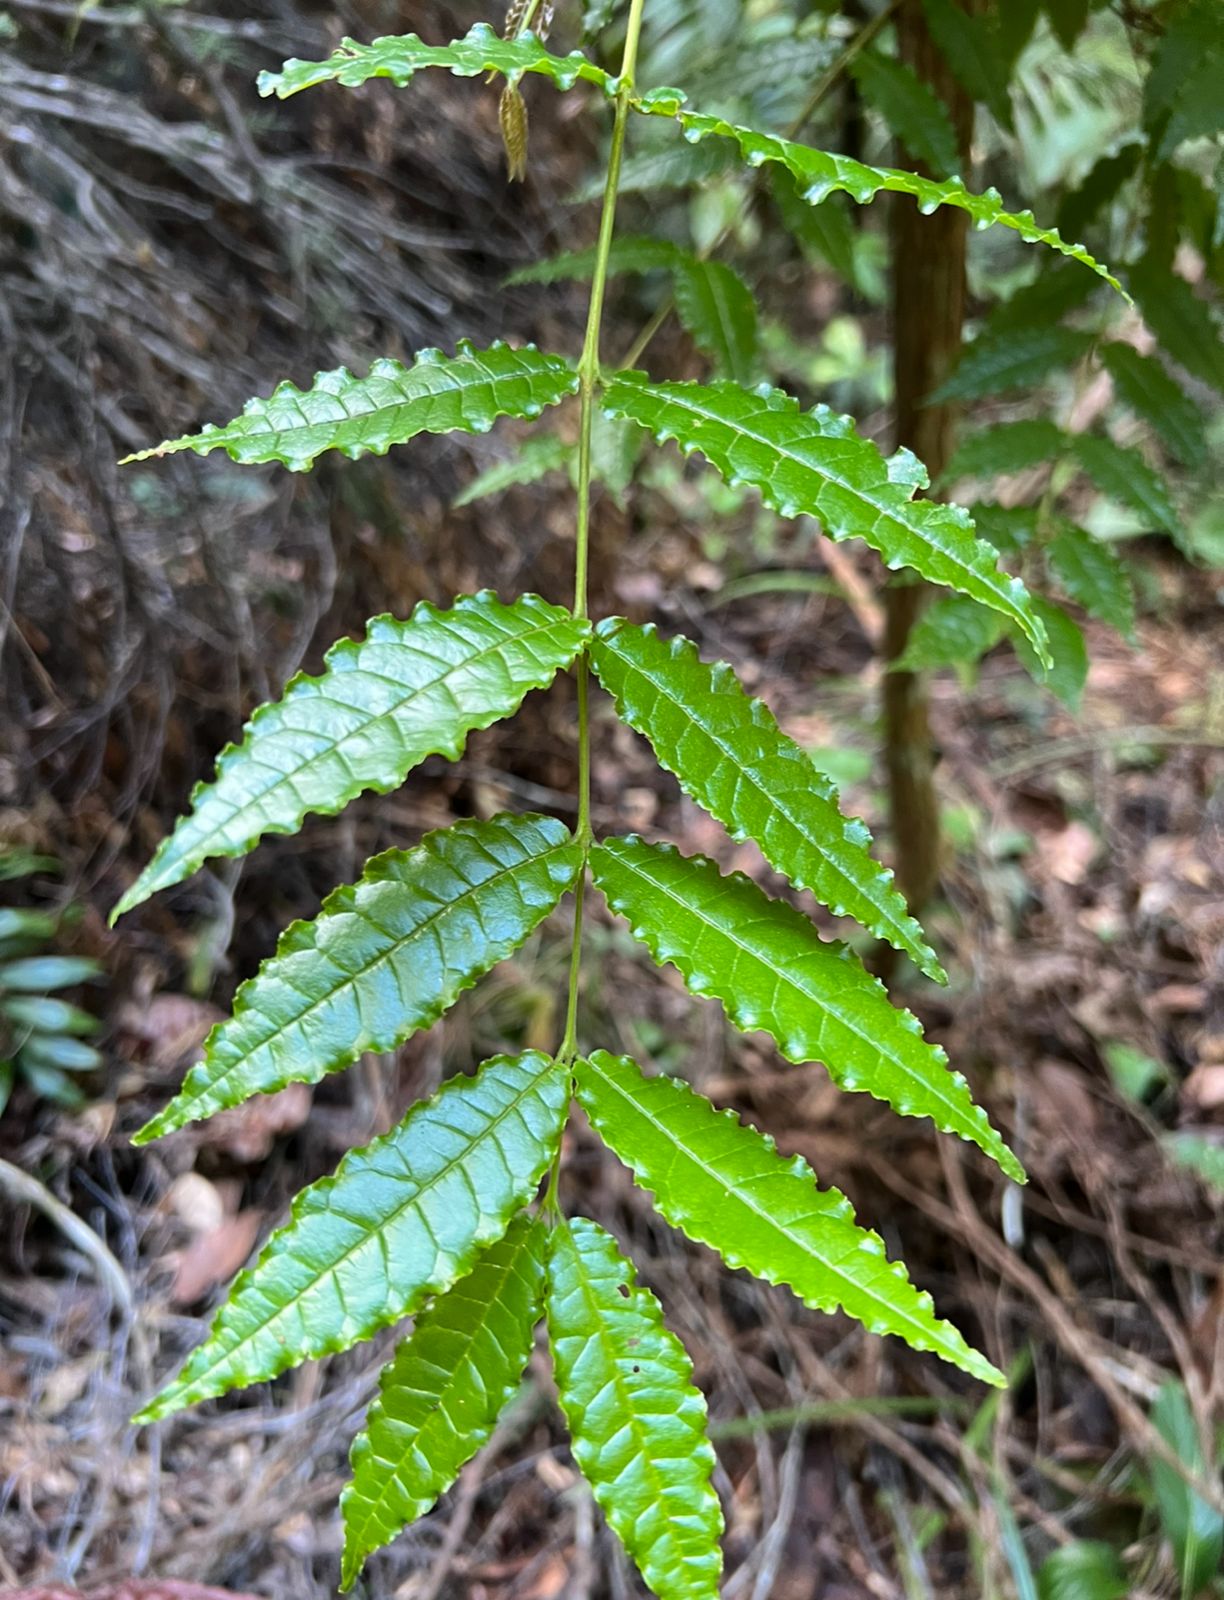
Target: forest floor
(1081, 917)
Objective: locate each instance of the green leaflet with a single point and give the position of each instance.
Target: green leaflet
(1082, 205)
(443, 1391)
(1069, 673)
(534, 460)
(731, 756)
(716, 309)
(402, 1219)
(1123, 474)
(1182, 323)
(366, 416)
(1194, 1528)
(1011, 359)
(969, 44)
(1008, 447)
(637, 1424)
(814, 462)
(1094, 578)
(1084, 1570)
(765, 962)
(400, 57)
(951, 632)
(726, 1186)
(1164, 405)
(1182, 93)
(386, 956)
(910, 108)
(630, 252)
(818, 173)
(408, 690)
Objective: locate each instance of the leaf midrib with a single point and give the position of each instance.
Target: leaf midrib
(333, 1267)
(387, 954)
(956, 1114)
(764, 1216)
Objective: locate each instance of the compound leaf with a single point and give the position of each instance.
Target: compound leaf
(1123, 474)
(465, 392)
(767, 965)
(725, 1185)
(910, 108)
(1152, 394)
(386, 956)
(1008, 447)
(1094, 578)
(716, 309)
(637, 1423)
(408, 690)
(400, 1220)
(818, 173)
(443, 1391)
(401, 57)
(730, 755)
(815, 463)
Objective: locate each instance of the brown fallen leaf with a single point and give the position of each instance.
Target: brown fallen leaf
(214, 1257)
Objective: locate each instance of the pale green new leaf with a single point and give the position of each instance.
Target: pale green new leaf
(400, 57)
(725, 1185)
(408, 690)
(386, 956)
(1008, 447)
(1197, 1154)
(818, 173)
(402, 1219)
(443, 1391)
(534, 460)
(911, 109)
(465, 392)
(770, 969)
(637, 1423)
(1153, 395)
(815, 463)
(716, 309)
(1123, 474)
(730, 755)
(1094, 578)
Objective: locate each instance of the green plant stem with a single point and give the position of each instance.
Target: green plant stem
(588, 389)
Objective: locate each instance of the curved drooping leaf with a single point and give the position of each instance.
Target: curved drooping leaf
(910, 108)
(730, 755)
(401, 56)
(725, 1185)
(443, 1391)
(1006, 448)
(1067, 673)
(408, 690)
(401, 1220)
(770, 969)
(716, 309)
(386, 956)
(1094, 577)
(637, 1424)
(815, 463)
(1153, 395)
(818, 173)
(1121, 472)
(465, 392)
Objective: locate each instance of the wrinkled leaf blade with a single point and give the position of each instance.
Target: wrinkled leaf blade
(732, 758)
(442, 1392)
(406, 691)
(402, 1219)
(637, 1423)
(770, 969)
(815, 463)
(386, 957)
(724, 1184)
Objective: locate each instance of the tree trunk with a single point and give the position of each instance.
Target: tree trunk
(928, 266)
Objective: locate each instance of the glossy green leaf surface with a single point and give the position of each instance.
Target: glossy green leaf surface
(816, 463)
(465, 393)
(637, 1423)
(770, 969)
(818, 173)
(443, 1391)
(1094, 577)
(1122, 473)
(1008, 447)
(401, 56)
(732, 758)
(401, 1219)
(406, 691)
(386, 956)
(1152, 394)
(725, 1185)
(910, 109)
